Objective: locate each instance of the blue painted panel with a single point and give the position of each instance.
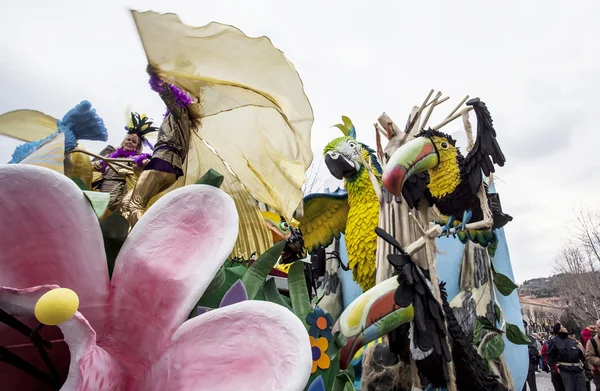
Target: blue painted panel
(350, 288)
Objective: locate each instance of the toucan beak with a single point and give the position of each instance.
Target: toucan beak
(369, 317)
(339, 166)
(415, 156)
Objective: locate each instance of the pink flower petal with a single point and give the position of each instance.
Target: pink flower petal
(91, 367)
(164, 266)
(250, 346)
(49, 234)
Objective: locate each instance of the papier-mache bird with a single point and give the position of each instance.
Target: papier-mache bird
(353, 211)
(454, 180)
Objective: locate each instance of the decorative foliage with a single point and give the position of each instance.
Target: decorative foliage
(504, 284)
(212, 178)
(497, 312)
(272, 294)
(255, 277)
(299, 291)
(493, 347)
(320, 323)
(516, 336)
(319, 353)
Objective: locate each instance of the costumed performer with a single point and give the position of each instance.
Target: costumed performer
(114, 182)
(170, 150)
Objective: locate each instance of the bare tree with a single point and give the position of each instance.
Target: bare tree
(314, 179)
(578, 265)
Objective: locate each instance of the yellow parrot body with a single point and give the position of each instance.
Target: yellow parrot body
(354, 212)
(361, 239)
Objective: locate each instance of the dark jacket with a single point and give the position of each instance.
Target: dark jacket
(534, 356)
(564, 350)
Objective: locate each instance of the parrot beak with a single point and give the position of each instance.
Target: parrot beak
(415, 156)
(339, 166)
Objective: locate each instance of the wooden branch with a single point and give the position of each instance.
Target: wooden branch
(110, 162)
(378, 142)
(371, 176)
(468, 130)
(416, 117)
(389, 125)
(435, 230)
(434, 103)
(457, 107)
(439, 102)
(417, 223)
(448, 120)
(378, 129)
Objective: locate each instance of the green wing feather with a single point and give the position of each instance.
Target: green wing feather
(324, 218)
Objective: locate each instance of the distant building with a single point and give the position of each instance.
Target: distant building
(541, 313)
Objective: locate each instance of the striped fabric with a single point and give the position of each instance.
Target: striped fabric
(50, 155)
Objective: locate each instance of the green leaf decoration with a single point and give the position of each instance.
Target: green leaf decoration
(504, 284)
(333, 349)
(257, 273)
(477, 333)
(498, 312)
(299, 291)
(487, 325)
(233, 272)
(491, 248)
(343, 382)
(273, 295)
(217, 281)
(515, 335)
(493, 347)
(212, 178)
(98, 200)
(80, 184)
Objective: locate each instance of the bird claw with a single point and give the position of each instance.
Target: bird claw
(446, 228)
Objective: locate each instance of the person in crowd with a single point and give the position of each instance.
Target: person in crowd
(592, 353)
(534, 358)
(567, 359)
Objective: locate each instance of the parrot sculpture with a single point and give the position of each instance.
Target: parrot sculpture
(454, 180)
(353, 211)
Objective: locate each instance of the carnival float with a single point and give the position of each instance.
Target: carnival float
(199, 264)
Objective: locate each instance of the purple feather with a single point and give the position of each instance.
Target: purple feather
(140, 158)
(235, 294)
(156, 83)
(181, 97)
(119, 153)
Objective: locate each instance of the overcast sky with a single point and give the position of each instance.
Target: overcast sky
(535, 64)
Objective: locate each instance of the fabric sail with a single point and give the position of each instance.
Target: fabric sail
(255, 112)
(253, 233)
(27, 125)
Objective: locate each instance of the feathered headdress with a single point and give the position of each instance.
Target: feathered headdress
(140, 125)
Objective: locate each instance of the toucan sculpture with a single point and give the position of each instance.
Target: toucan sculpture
(454, 180)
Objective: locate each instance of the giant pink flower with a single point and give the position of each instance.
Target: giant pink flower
(132, 333)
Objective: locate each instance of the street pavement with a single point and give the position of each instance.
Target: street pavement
(543, 382)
